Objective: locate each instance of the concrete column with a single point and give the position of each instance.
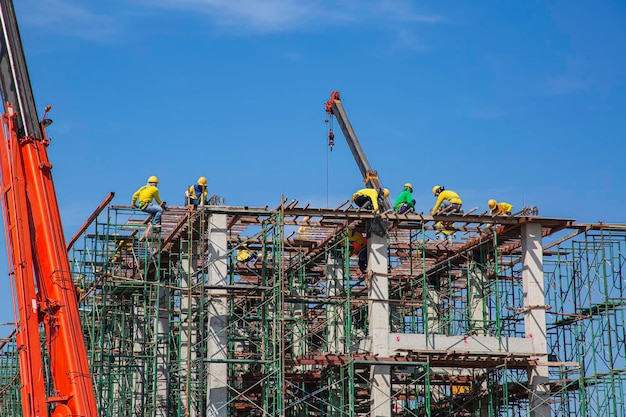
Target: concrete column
(217, 307)
(140, 344)
(477, 283)
(335, 312)
(535, 316)
(162, 352)
(433, 312)
(188, 329)
(378, 294)
(335, 318)
(299, 330)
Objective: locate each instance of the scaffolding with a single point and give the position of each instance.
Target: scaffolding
(242, 311)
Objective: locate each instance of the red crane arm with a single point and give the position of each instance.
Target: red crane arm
(18, 235)
(44, 290)
(38, 250)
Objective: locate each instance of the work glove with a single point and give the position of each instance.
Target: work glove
(163, 204)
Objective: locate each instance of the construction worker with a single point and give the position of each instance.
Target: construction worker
(197, 194)
(447, 201)
(405, 201)
(356, 241)
(245, 255)
(499, 209)
(369, 199)
(305, 228)
(363, 260)
(143, 200)
(445, 230)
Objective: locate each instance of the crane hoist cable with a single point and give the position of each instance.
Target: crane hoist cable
(331, 142)
(331, 131)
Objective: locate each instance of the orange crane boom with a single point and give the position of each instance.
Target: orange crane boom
(40, 270)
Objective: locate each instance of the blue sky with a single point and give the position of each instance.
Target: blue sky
(518, 101)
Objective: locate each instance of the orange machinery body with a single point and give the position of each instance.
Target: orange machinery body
(43, 286)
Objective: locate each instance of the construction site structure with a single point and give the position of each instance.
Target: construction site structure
(232, 311)
(515, 316)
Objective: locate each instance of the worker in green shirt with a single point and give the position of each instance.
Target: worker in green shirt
(405, 201)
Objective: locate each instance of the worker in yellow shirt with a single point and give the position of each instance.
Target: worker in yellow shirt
(305, 228)
(246, 255)
(369, 199)
(447, 201)
(499, 209)
(446, 229)
(143, 200)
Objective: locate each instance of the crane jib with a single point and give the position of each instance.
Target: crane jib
(335, 108)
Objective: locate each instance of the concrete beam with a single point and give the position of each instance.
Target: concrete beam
(399, 342)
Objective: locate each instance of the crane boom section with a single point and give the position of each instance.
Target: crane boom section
(17, 232)
(353, 142)
(334, 107)
(44, 287)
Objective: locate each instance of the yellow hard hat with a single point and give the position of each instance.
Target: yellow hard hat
(202, 181)
(437, 189)
(385, 193)
(492, 203)
(409, 185)
(153, 179)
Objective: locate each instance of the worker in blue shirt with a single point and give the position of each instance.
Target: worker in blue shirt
(197, 194)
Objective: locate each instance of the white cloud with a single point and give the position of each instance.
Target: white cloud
(66, 17)
(249, 15)
(270, 16)
(402, 11)
(102, 21)
(406, 39)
